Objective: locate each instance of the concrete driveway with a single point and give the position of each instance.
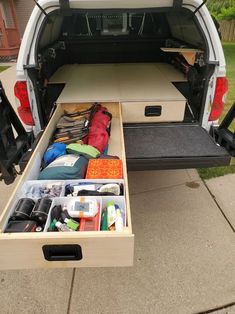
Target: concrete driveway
(184, 258)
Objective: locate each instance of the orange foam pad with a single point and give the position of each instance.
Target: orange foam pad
(104, 169)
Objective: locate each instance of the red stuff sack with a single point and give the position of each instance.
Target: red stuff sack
(98, 135)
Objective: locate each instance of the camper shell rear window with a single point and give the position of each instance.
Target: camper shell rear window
(140, 25)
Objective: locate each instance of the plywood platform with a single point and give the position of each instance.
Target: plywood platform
(118, 82)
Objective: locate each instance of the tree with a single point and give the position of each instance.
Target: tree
(222, 9)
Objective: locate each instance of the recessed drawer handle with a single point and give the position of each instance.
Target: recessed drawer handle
(66, 252)
(153, 111)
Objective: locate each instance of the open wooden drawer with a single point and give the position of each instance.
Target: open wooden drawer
(68, 249)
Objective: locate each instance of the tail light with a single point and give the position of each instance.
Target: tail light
(24, 109)
(221, 90)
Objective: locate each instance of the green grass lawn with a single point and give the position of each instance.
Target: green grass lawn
(229, 51)
(3, 68)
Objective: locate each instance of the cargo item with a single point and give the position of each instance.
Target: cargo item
(23, 209)
(98, 135)
(65, 167)
(83, 208)
(89, 188)
(54, 151)
(67, 122)
(21, 226)
(41, 210)
(104, 169)
(71, 130)
(91, 224)
(35, 189)
(113, 218)
(62, 227)
(87, 151)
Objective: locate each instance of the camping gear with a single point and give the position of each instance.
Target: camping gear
(71, 129)
(23, 209)
(65, 167)
(99, 128)
(91, 224)
(54, 151)
(21, 226)
(104, 169)
(41, 210)
(83, 208)
(87, 151)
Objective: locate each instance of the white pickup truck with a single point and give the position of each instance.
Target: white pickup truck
(156, 65)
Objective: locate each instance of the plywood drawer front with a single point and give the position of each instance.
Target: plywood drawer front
(67, 249)
(161, 111)
(23, 251)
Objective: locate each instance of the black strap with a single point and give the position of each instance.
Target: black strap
(108, 114)
(65, 7)
(198, 8)
(89, 111)
(94, 108)
(94, 193)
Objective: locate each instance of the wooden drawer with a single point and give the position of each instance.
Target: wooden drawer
(159, 111)
(68, 249)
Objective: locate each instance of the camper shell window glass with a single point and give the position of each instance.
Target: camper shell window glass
(183, 29)
(100, 25)
(89, 25)
(51, 31)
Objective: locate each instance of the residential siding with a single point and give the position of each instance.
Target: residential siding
(6, 13)
(24, 9)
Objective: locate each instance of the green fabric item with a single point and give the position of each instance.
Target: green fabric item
(66, 167)
(87, 151)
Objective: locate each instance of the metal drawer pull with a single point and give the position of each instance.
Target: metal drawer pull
(67, 252)
(153, 111)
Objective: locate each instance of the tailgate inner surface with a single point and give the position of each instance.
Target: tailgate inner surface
(151, 141)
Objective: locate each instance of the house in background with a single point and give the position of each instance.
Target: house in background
(14, 15)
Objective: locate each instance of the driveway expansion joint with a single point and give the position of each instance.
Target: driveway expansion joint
(218, 205)
(71, 290)
(219, 308)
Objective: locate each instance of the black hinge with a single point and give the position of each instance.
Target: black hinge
(177, 4)
(65, 7)
(14, 141)
(223, 136)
